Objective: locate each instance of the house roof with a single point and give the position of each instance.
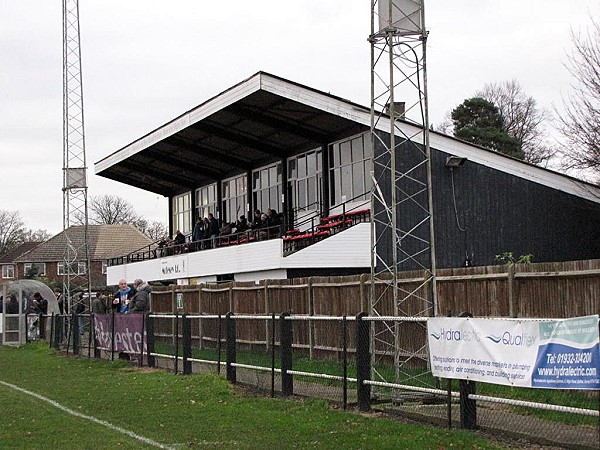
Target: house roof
(104, 242)
(10, 256)
(265, 118)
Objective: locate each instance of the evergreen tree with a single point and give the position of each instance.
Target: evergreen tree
(479, 122)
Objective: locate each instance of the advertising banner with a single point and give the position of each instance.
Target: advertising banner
(554, 354)
(127, 332)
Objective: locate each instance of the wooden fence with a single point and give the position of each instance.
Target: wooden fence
(537, 290)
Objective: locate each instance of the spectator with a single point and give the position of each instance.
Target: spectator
(140, 302)
(226, 229)
(213, 229)
(179, 241)
(274, 218)
(41, 305)
(256, 219)
(60, 300)
(122, 298)
(78, 303)
(12, 305)
(241, 224)
(99, 305)
(197, 233)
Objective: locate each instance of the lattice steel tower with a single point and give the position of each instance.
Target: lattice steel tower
(401, 198)
(75, 210)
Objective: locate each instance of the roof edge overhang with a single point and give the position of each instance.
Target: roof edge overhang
(354, 112)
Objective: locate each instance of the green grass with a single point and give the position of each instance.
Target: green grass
(197, 411)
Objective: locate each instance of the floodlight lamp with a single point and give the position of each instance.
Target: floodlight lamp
(455, 161)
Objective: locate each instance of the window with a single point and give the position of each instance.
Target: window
(206, 200)
(304, 179)
(77, 268)
(267, 187)
(8, 271)
(34, 269)
(235, 198)
(350, 169)
(182, 213)
(104, 266)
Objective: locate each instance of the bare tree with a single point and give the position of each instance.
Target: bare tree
(579, 118)
(111, 210)
(156, 230)
(12, 229)
(523, 118)
(115, 210)
(36, 236)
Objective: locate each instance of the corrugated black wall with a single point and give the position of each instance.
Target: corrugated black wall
(480, 212)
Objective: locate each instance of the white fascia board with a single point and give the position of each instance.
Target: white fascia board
(185, 120)
(320, 101)
(500, 162)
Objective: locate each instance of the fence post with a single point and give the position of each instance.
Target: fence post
(345, 360)
(272, 354)
(75, 333)
(150, 340)
(51, 330)
(231, 347)
(97, 353)
(187, 344)
(176, 325)
(112, 336)
(468, 407)
(287, 380)
(363, 362)
(311, 324)
(58, 330)
(219, 343)
(511, 291)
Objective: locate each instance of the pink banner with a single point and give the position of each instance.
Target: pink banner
(128, 332)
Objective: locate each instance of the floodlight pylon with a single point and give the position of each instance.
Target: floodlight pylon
(76, 258)
(402, 233)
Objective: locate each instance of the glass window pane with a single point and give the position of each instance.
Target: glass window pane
(212, 193)
(358, 179)
(357, 149)
(346, 183)
(367, 144)
(301, 194)
(273, 200)
(319, 158)
(255, 180)
(279, 173)
(272, 176)
(311, 164)
(264, 178)
(334, 158)
(345, 152)
(301, 166)
(336, 186)
(292, 169)
(312, 192)
(225, 189)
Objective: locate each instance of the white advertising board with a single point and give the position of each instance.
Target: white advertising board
(553, 354)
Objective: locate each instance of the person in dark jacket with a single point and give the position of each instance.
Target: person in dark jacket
(140, 302)
(12, 305)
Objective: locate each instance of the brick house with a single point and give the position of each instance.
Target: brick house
(9, 269)
(104, 242)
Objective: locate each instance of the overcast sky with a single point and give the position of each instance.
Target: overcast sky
(147, 61)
